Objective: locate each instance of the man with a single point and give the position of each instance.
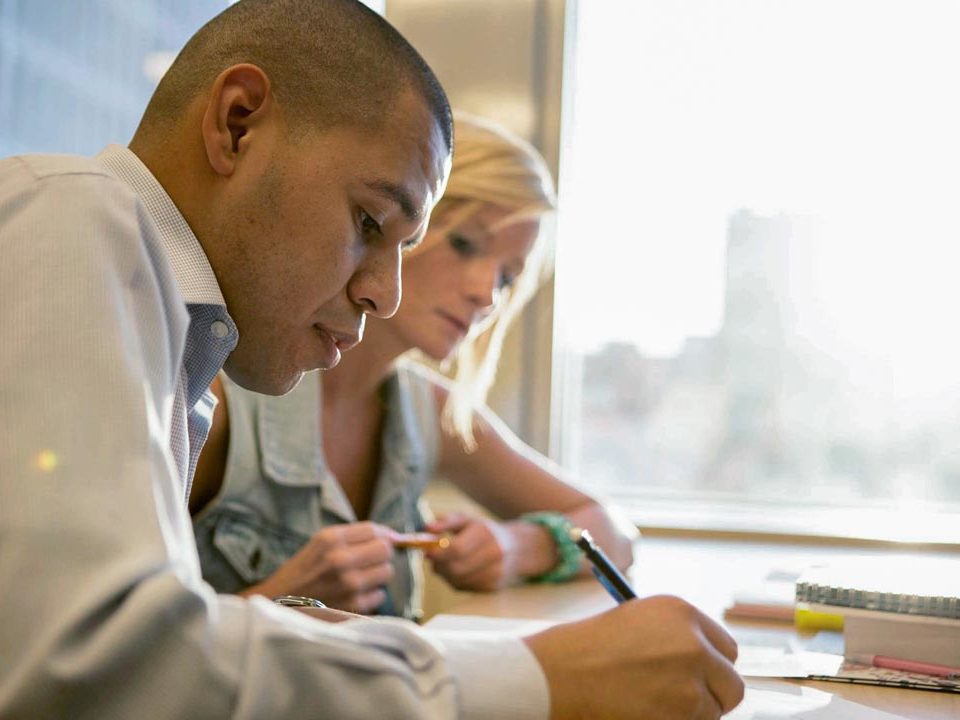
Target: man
(290, 154)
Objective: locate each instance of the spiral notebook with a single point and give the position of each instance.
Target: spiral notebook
(908, 610)
(928, 589)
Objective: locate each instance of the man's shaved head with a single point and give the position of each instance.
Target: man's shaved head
(330, 63)
(305, 142)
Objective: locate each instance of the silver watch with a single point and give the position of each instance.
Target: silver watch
(298, 601)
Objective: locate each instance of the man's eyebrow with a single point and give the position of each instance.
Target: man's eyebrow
(398, 194)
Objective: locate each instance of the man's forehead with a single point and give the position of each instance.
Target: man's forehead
(444, 166)
(418, 191)
(434, 154)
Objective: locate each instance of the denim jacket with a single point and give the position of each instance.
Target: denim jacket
(278, 491)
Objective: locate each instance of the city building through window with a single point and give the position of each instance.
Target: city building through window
(757, 265)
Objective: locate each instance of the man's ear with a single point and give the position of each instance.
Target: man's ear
(239, 100)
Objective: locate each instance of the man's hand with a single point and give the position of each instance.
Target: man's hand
(658, 658)
(344, 566)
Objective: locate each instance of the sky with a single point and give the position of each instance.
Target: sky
(685, 111)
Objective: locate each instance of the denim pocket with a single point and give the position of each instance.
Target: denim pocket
(254, 549)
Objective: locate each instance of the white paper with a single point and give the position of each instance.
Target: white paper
(779, 701)
(780, 653)
(774, 662)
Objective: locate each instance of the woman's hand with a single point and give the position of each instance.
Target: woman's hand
(487, 555)
(344, 566)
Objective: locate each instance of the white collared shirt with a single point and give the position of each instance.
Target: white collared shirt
(111, 327)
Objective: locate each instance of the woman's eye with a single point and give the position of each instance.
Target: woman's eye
(461, 245)
(368, 224)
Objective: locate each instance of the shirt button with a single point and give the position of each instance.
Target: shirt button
(219, 329)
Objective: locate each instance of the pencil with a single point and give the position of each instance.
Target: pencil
(421, 541)
(606, 572)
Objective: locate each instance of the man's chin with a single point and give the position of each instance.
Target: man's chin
(273, 383)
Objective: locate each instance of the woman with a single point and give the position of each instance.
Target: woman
(278, 510)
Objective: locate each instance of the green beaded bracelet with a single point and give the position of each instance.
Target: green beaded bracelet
(570, 555)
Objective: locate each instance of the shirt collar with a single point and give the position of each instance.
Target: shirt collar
(190, 265)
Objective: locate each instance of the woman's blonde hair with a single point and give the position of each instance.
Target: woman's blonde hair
(491, 166)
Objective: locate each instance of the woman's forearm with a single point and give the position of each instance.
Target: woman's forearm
(613, 535)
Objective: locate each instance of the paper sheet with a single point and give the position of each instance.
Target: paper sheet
(851, 672)
(775, 654)
(780, 701)
(770, 662)
(780, 654)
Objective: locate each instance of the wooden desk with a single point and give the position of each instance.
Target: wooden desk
(706, 573)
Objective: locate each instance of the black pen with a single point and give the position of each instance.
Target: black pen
(606, 572)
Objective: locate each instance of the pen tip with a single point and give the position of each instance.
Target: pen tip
(575, 534)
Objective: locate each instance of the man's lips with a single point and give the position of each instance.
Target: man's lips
(344, 339)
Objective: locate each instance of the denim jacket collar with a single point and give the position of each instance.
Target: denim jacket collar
(403, 454)
(292, 453)
(289, 429)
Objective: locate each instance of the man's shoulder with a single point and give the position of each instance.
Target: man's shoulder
(76, 208)
(42, 170)
(47, 165)
(42, 165)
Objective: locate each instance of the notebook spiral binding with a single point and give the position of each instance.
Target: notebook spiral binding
(927, 605)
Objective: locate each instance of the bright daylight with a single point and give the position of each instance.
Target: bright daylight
(759, 249)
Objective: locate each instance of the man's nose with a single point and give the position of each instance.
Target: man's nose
(376, 284)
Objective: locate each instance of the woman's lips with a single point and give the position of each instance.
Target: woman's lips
(461, 326)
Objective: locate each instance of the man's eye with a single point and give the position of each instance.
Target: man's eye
(368, 224)
(461, 245)
(506, 281)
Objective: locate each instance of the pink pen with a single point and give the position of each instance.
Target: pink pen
(891, 663)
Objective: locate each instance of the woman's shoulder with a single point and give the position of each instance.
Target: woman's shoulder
(418, 375)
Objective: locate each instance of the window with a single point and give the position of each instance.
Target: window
(758, 261)
(76, 77)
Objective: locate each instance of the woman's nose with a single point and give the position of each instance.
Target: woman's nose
(484, 287)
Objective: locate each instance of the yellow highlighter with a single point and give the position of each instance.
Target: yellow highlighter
(811, 621)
